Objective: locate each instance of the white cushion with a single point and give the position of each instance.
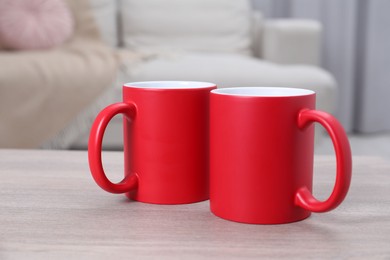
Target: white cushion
(195, 25)
(292, 41)
(234, 70)
(105, 15)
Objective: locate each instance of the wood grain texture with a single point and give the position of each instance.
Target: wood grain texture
(52, 209)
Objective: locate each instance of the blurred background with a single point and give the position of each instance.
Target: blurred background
(62, 61)
(354, 49)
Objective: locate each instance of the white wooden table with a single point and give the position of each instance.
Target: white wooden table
(52, 209)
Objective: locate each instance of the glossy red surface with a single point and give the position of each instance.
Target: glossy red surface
(261, 158)
(165, 144)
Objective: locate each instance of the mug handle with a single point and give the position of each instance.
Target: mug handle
(130, 182)
(304, 197)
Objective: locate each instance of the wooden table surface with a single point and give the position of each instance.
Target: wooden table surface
(52, 209)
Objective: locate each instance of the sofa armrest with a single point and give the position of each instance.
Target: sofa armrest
(292, 41)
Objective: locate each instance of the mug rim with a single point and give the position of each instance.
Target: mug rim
(169, 84)
(266, 92)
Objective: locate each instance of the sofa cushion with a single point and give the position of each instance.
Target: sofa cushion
(105, 16)
(34, 24)
(233, 70)
(195, 25)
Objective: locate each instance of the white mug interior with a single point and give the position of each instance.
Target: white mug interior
(263, 91)
(169, 84)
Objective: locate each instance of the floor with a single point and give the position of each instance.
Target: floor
(361, 144)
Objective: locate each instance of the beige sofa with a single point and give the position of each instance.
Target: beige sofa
(220, 41)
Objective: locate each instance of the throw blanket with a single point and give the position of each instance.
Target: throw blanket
(42, 92)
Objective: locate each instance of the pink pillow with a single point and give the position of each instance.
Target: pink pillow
(34, 24)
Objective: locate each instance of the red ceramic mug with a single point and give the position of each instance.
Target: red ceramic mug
(166, 142)
(261, 155)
